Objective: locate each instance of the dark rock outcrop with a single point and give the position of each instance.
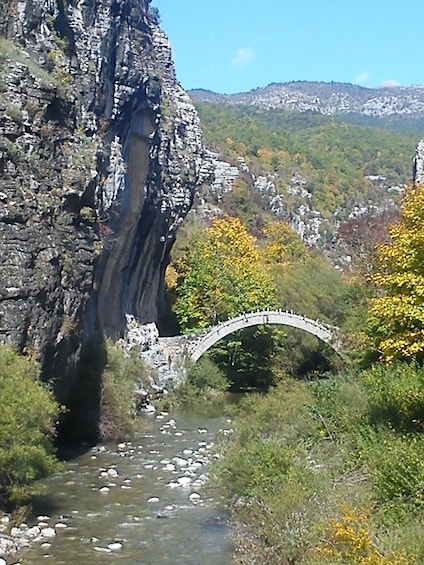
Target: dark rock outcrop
(100, 153)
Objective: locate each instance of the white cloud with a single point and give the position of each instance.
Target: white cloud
(388, 84)
(243, 57)
(362, 78)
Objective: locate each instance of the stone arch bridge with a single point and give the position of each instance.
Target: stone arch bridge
(168, 355)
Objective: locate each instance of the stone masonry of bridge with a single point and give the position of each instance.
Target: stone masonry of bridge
(169, 356)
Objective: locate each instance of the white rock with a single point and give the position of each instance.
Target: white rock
(115, 546)
(184, 481)
(33, 532)
(48, 532)
(104, 489)
(112, 472)
(180, 461)
(60, 525)
(169, 467)
(102, 549)
(194, 496)
(153, 499)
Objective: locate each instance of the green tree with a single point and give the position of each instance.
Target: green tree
(398, 313)
(27, 414)
(221, 275)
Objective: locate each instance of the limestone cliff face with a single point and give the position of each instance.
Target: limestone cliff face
(418, 167)
(100, 153)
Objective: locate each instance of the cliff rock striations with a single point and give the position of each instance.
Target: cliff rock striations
(100, 153)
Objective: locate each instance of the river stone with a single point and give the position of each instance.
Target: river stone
(112, 472)
(3, 561)
(184, 481)
(169, 467)
(7, 545)
(153, 499)
(104, 489)
(48, 532)
(115, 545)
(33, 532)
(180, 462)
(102, 549)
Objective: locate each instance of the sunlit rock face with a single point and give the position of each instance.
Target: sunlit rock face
(100, 154)
(419, 163)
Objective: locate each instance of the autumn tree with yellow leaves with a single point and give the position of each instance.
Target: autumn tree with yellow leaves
(398, 312)
(221, 275)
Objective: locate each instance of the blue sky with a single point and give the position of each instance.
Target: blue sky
(237, 45)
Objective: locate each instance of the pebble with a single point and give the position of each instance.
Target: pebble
(169, 467)
(102, 549)
(104, 489)
(115, 546)
(153, 499)
(112, 472)
(194, 496)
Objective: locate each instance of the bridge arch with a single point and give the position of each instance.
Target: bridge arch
(199, 344)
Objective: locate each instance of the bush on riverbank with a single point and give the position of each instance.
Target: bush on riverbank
(27, 415)
(318, 474)
(118, 398)
(205, 383)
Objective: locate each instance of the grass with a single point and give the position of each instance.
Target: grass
(318, 475)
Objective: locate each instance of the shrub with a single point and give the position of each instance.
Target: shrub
(349, 538)
(396, 395)
(27, 414)
(118, 398)
(204, 382)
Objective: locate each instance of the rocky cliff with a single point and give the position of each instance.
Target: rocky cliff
(100, 153)
(418, 171)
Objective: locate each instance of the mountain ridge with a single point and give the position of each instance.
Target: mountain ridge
(326, 98)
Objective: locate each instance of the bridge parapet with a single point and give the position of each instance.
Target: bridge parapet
(197, 344)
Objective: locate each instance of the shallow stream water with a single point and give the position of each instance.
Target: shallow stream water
(139, 502)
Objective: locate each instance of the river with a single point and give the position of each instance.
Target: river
(140, 502)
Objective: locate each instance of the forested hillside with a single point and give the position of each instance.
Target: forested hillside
(331, 165)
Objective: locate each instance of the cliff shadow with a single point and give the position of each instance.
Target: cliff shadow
(79, 425)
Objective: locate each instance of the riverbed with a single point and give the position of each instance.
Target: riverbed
(143, 501)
